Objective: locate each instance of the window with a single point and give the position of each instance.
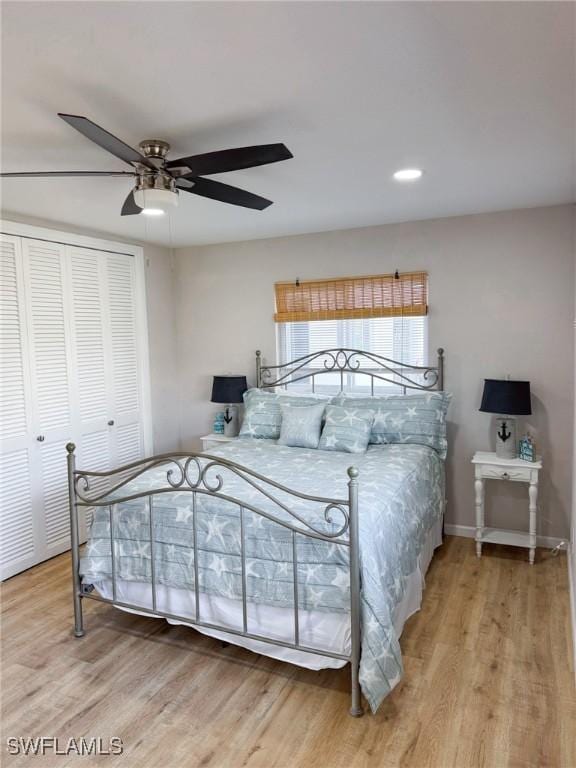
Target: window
(403, 339)
(383, 314)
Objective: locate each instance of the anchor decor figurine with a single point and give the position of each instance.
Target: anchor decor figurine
(504, 433)
(507, 399)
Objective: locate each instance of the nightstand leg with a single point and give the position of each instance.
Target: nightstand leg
(533, 497)
(479, 491)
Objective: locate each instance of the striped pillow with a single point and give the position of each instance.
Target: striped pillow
(263, 414)
(419, 418)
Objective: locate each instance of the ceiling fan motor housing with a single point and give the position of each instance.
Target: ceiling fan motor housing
(155, 149)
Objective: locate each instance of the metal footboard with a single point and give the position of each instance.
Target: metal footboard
(197, 473)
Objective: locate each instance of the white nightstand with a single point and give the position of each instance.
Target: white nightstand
(488, 466)
(213, 441)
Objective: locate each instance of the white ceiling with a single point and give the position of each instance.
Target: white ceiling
(479, 95)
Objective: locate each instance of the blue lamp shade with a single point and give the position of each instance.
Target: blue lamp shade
(228, 389)
(507, 398)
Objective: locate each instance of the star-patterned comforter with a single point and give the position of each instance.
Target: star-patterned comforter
(401, 493)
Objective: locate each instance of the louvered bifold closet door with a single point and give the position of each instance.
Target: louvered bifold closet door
(72, 369)
(18, 537)
(46, 282)
(92, 366)
(127, 435)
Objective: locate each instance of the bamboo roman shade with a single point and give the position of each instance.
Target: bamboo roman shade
(348, 298)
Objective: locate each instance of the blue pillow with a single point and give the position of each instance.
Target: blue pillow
(301, 425)
(419, 418)
(346, 429)
(262, 414)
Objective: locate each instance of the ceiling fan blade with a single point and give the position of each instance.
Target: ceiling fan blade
(232, 159)
(105, 140)
(130, 208)
(55, 174)
(215, 190)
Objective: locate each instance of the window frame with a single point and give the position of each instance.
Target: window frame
(349, 381)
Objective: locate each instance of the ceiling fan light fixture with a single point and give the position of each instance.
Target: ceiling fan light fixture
(155, 202)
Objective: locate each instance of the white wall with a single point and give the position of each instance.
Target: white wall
(163, 345)
(161, 330)
(501, 301)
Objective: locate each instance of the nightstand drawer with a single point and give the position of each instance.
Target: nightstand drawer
(209, 444)
(517, 474)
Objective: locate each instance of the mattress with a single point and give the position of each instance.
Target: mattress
(328, 631)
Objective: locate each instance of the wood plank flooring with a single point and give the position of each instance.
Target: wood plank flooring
(489, 680)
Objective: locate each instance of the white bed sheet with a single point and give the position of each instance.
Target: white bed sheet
(317, 629)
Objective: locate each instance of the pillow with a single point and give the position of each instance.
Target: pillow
(301, 425)
(346, 429)
(419, 419)
(262, 414)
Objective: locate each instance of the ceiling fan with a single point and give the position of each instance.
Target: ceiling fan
(159, 180)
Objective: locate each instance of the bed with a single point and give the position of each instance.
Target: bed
(314, 557)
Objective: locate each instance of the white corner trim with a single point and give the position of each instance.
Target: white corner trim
(143, 341)
(469, 532)
(572, 582)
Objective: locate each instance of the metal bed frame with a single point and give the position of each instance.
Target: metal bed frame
(342, 361)
(197, 473)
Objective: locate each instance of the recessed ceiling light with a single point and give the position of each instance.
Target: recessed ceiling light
(153, 211)
(408, 174)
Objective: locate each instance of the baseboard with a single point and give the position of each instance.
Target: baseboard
(572, 581)
(469, 532)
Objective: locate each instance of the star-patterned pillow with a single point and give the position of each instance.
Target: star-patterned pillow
(419, 419)
(346, 429)
(301, 425)
(262, 414)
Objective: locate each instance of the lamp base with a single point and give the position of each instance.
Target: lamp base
(231, 421)
(506, 437)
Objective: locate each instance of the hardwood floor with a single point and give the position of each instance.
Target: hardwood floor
(488, 680)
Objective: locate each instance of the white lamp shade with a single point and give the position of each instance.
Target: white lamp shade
(155, 199)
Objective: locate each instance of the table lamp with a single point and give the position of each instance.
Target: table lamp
(229, 390)
(507, 399)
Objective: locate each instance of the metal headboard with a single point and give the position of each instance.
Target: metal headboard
(342, 361)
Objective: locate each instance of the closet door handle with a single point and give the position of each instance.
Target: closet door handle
(40, 438)
(111, 423)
